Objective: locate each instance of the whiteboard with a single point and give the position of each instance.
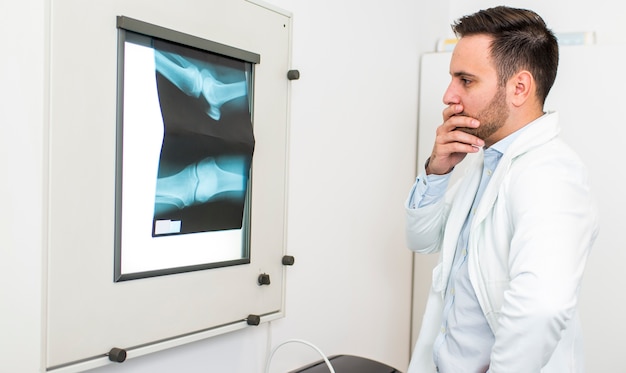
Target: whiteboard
(587, 95)
(87, 312)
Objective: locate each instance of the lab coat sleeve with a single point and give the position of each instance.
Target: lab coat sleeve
(554, 223)
(425, 225)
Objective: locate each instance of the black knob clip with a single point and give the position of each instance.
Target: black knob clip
(293, 74)
(264, 279)
(288, 260)
(253, 320)
(117, 355)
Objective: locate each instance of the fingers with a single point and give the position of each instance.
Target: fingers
(452, 143)
(458, 131)
(454, 127)
(452, 110)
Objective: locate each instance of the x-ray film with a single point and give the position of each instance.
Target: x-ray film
(207, 141)
(186, 153)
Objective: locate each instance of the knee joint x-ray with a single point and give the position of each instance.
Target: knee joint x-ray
(187, 146)
(207, 142)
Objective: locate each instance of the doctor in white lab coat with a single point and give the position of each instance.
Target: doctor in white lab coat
(514, 234)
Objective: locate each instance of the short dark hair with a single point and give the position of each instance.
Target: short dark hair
(521, 40)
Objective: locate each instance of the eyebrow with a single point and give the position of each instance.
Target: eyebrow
(462, 73)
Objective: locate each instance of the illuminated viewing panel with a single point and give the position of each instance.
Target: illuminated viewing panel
(184, 150)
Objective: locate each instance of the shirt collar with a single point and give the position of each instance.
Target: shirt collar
(502, 145)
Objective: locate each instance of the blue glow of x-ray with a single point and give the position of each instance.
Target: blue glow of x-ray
(200, 182)
(197, 82)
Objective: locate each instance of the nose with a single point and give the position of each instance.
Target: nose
(450, 96)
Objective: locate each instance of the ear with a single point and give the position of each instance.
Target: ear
(522, 86)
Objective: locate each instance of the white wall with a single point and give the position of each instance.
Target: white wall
(352, 160)
(22, 166)
(353, 132)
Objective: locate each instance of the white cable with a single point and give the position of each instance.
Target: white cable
(269, 360)
(268, 345)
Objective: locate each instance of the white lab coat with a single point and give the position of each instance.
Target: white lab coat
(528, 245)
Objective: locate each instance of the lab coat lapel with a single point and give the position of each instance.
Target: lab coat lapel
(463, 200)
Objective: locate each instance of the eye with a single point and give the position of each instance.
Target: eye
(465, 81)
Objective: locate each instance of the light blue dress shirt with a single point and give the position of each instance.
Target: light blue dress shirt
(465, 340)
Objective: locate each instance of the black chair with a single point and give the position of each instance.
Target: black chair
(347, 364)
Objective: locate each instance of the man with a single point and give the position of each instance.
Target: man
(514, 234)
